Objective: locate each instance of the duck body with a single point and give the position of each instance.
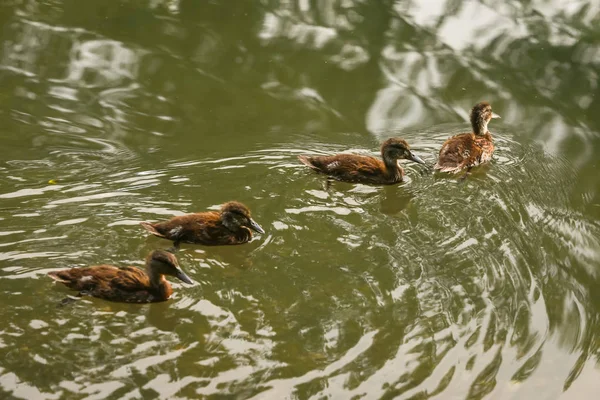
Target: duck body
(231, 225)
(199, 228)
(354, 168)
(469, 150)
(466, 150)
(126, 284)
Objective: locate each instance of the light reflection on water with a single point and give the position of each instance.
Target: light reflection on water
(474, 298)
(431, 288)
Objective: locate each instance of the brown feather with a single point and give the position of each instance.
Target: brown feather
(351, 168)
(150, 228)
(207, 228)
(355, 168)
(127, 284)
(468, 150)
(464, 151)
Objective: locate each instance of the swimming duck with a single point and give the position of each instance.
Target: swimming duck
(231, 225)
(355, 168)
(468, 150)
(127, 284)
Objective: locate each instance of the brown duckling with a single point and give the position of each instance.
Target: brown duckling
(355, 168)
(468, 150)
(231, 225)
(127, 284)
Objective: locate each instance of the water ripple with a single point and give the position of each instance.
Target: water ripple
(435, 287)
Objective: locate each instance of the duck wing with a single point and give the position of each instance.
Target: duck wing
(458, 152)
(85, 279)
(128, 284)
(346, 167)
(183, 228)
(132, 285)
(130, 279)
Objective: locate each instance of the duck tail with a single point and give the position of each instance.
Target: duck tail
(150, 228)
(453, 169)
(306, 160)
(55, 275)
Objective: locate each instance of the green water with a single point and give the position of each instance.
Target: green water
(112, 113)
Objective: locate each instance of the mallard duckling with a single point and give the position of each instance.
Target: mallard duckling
(127, 284)
(356, 168)
(468, 150)
(231, 225)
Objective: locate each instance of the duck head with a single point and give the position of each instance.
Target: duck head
(235, 215)
(395, 148)
(162, 262)
(481, 115)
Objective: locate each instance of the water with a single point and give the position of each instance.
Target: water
(112, 113)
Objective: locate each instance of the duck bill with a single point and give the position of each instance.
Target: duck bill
(413, 157)
(256, 227)
(183, 277)
(494, 115)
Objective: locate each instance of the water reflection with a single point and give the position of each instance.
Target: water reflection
(430, 288)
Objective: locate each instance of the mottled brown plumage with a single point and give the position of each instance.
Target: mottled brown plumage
(127, 284)
(355, 168)
(231, 225)
(468, 150)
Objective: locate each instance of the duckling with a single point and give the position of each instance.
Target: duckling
(127, 284)
(468, 150)
(355, 168)
(231, 225)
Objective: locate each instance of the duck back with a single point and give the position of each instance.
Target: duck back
(464, 151)
(128, 284)
(200, 228)
(351, 168)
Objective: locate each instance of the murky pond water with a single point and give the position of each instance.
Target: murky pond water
(112, 113)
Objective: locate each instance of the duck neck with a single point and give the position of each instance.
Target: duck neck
(157, 280)
(480, 126)
(393, 170)
(159, 286)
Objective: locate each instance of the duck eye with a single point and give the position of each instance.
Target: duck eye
(241, 217)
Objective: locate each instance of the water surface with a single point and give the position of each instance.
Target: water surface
(112, 113)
